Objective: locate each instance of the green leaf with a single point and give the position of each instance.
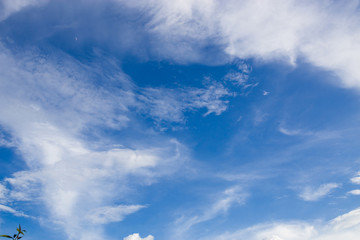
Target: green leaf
(7, 236)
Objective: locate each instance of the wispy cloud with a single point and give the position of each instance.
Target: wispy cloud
(4, 208)
(294, 132)
(169, 104)
(289, 132)
(241, 76)
(314, 194)
(229, 198)
(109, 214)
(243, 177)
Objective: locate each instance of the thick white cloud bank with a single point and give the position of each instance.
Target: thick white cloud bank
(324, 33)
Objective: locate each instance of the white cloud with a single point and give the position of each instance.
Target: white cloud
(24, 185)
(209, 98)
(58, 89)
(109, 214)
(136, 236)
(4, 208)
(64, 87)
(70, 178)
(355, 192)
(346, 226)
(314, 194)
(289, 132)
(237, 78)
(298, 132)
(265, 93)
(324, 33)
(356, 180)
(169, 104)
(241, 77)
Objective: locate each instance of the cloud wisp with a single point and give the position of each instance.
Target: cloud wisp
(311, 194)
(8, 209)
(229, 198)
(109, 214)
(169, 105)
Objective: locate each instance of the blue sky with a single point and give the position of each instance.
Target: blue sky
(192, 119)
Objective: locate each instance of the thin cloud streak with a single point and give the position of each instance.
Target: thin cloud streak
(8, 209)
(311, 194)
(110, 214)
(346, 226)
(229, 198)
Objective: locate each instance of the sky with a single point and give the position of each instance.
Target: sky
(184, 119)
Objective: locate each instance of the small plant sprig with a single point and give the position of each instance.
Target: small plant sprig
(19, 235)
